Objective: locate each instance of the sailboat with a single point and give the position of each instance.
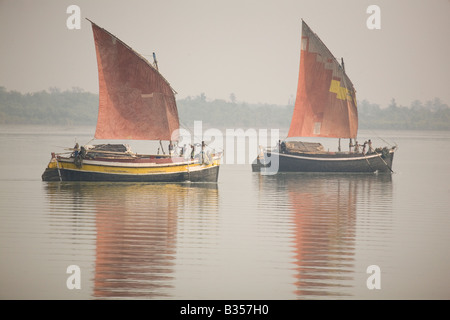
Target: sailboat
(135, 103)
(325, 107)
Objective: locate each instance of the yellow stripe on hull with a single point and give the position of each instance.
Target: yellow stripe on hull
(133, 170)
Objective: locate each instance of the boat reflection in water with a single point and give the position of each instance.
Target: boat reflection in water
(327, 211)
(135, 231)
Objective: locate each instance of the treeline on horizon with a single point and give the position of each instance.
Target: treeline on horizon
(77, 107)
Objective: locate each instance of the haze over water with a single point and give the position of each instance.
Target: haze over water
(289, 236)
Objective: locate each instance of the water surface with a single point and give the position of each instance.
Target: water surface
(289, 236)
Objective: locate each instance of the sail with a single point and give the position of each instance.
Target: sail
(135, 101)
(325, 105)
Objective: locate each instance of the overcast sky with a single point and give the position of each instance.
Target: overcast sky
(249, 48)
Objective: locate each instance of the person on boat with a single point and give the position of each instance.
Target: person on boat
(182, 151)
(170, 148)
(203, 151)
(76, 150)
(356, 147)
(283, 147)
(364, 147)
(370, 146)
(192, 152)
(83, 152)
(205, 155)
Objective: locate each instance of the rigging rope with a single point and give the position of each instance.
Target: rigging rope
(200, 139)
(373, 132)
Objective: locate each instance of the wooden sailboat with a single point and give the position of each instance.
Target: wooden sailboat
(325, 107)
(135, 103)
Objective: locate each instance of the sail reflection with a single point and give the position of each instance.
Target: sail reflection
(324, 213)
(135, 231)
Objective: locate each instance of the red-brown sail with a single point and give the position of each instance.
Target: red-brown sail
(135, 101)
(325, 105)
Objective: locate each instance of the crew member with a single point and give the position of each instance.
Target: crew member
(76, 148)
(370, 146)
(192, 151)
(170, 148)
(356, 147)
(283, 147)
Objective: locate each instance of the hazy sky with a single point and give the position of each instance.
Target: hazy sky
(249, 48)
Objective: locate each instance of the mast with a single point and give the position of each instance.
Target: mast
(155, 62)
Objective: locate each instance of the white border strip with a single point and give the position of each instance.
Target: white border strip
(328, 159)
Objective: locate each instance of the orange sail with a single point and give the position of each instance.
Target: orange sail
(135, 101)
(325, 105)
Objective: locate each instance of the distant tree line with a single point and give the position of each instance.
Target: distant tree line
(220, 113)
(72, 107)
(53, 107)
(432, 115)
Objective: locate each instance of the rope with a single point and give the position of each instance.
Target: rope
(382, 138)
(384, 162)
(59, 172)
(368, 163)
(195, 137)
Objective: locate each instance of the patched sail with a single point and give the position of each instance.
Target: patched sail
(135, 101)
(325, 105)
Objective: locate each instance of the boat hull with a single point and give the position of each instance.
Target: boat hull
(328, 162)
(67, 170)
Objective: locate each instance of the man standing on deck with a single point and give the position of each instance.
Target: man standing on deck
(370, 146)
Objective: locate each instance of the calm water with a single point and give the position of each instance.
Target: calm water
(296, 236)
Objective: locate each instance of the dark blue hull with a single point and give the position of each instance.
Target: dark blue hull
(326, 162)
(209, 174)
